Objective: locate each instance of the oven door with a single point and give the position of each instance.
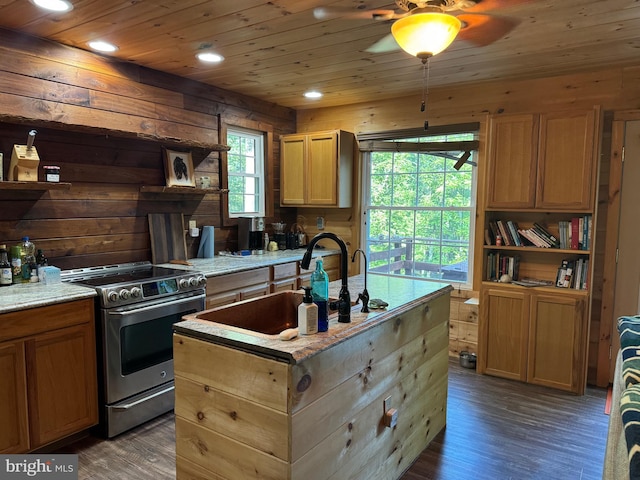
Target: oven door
(137, 343)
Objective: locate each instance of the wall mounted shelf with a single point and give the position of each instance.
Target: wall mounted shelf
(179, 190)
(36, 186)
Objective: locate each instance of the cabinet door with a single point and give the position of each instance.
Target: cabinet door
(14, 434)
(557, 342)
(62, 383)
(566, 161)
(322, 176)
(292, 169)
(503, 333)
(512, 161)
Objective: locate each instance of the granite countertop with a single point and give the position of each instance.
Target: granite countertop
(30, 295)
(220, 265)
(400, 293)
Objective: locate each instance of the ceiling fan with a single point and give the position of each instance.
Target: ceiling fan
(418, 23)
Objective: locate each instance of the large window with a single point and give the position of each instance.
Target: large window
(246, 172)
(420, 206)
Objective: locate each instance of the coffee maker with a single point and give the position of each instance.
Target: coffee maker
(251, 234)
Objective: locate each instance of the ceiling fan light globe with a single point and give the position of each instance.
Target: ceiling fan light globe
(425, 34)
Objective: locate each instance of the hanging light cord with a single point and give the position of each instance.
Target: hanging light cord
(426, 63)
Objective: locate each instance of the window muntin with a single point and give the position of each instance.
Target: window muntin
(245, 172)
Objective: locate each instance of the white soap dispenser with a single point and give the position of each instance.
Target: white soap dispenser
(307, 314)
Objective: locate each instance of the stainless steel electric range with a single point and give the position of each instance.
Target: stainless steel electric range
(136, 307)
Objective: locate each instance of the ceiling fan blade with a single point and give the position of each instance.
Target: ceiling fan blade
(483, 30)
(384, 45)
(328, 13)
(492, 5)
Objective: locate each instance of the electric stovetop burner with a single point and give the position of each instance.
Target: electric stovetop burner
(118, 277)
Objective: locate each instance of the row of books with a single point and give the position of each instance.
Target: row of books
(573, 274)
(509, 234)
(499, 264)
(572, 235)
(576, 233)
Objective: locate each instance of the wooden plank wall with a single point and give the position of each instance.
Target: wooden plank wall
(105, 123)
(613, 88)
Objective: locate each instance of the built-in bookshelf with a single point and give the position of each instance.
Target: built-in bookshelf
(532, 247)
(539, 201)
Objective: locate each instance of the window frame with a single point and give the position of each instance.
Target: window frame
(267, 132)
(375, 142)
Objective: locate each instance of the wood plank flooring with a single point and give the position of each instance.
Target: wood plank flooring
(496, 429)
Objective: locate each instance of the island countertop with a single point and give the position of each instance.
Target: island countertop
(400, 293)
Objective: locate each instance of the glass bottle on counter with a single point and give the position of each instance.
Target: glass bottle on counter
(41, 260)
(28, 258)
(320, 294)
(6, 275)
(16, 263)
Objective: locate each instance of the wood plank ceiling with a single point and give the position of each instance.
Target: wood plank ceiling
(275, 50)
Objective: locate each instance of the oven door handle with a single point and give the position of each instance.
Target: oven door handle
(153, 307)
(142, 400)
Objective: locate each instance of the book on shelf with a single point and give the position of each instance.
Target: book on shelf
(575, 234)
(573, 274)
(499, 264)
(546, 235)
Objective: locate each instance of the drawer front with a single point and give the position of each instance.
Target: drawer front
(284, 270)
(236, 281)
(37, 320)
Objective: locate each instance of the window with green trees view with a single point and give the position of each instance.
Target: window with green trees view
(245, 173)
(420, 209)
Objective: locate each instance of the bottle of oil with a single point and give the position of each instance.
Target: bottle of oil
(16, 263)
(6, 275)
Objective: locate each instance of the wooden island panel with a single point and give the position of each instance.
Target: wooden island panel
(231, 424)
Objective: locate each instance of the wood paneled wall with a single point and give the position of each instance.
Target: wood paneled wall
(105, 124)
(614, 89)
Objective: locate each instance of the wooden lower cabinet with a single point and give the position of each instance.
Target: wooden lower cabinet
(14, 426)
(234, 287)
(244, 415)
(536, 337)
(48, 375)
(504, 334)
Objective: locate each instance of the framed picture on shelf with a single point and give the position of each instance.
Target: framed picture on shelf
(178, 169)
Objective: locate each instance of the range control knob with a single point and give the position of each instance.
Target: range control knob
(112, 296)
(136, 292)
(184, 283)
(193, 281)
(202, 281)
(124, 294)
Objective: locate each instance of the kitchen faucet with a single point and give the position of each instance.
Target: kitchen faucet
(344, 299)
(364, 296)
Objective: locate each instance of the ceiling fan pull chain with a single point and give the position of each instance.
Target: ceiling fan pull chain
(426, 63)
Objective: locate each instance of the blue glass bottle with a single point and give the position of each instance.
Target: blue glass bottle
(320, 294)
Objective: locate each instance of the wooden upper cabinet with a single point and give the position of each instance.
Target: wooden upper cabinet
(317, 169)
(512, 161)
(566, 161)
(292, 169)
(542, 161)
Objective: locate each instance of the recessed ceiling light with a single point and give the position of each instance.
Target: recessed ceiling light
(101, 46)
(209, 57)
(53, 5)
(313, 94)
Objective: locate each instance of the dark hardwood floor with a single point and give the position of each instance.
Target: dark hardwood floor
(496, 429)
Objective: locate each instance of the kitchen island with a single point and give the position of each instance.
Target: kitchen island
(359, 401)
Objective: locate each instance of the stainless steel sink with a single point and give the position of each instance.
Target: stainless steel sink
(270, 314)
